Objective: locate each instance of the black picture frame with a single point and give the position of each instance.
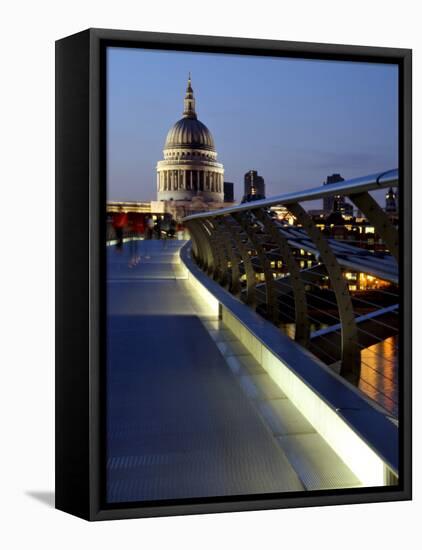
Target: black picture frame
(80, 268)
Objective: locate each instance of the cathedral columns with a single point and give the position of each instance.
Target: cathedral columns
(189, 179)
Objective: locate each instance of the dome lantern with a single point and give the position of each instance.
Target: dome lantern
(189, 103)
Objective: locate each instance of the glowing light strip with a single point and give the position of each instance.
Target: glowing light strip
(355, 453)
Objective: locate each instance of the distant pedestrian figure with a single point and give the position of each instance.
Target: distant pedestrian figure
(158, 228)
(180, 232)
(119, 223)
(150, 227)
(139, 227)
(172, 230)
(165, 229)
(165, 224)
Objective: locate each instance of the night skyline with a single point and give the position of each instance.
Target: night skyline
(295, 121)
(280, 368)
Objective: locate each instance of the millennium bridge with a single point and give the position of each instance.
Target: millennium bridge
(244, 360)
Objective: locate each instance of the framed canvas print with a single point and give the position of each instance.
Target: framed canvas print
(233, 274)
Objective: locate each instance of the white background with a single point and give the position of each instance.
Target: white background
(29, 29)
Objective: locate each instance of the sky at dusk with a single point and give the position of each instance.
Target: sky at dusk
(295, 121)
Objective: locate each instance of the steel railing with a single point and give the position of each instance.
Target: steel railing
(242, 247)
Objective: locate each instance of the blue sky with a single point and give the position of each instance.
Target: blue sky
(295, 121)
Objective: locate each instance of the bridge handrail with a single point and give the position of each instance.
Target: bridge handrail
(380, 180)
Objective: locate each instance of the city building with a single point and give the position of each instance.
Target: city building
(254, 187)
(391, 202)
(343, 207)
(228, 191)
(328, 202)
(190, 168)
(336, 203)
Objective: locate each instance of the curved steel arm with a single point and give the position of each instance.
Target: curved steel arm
(247, 263)
(207, 255)
(197, 248)
(220, 269)
(225, 238)
(350, 364)
(244, 221)
(298, 286)
(379, 220)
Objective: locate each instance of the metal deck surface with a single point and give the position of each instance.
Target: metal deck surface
(190, 413)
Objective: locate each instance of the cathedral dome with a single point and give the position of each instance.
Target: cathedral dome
(189, 133)
(189, 170)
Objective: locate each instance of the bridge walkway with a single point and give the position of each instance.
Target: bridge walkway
(190, 413)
